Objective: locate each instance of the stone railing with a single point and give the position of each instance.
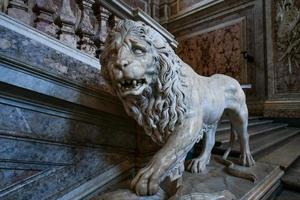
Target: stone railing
(82, 24)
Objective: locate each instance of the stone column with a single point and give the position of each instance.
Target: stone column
(18, 9)
(67, 20)
(44, 10)
(85, 28)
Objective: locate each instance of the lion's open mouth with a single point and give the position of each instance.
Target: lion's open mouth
(126, 86)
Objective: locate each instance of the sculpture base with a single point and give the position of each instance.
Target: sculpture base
(215, 184)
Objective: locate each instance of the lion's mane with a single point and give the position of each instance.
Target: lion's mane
(162, 105)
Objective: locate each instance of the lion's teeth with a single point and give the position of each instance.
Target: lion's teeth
(134, 82)
(119, 85)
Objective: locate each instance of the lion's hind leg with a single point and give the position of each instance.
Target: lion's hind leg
(198, 164)
(239, 121)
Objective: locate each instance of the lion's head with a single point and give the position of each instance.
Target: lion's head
(145, 73)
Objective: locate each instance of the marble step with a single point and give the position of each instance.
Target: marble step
(278, 156)
(291, 178)
(263, 142)
(254, 130)
(226, 127)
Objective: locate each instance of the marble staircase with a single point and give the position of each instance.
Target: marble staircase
(264, 134)
(291, 180)
(272, 143)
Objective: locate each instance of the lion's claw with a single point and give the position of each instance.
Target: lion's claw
(146, 182)
(198, 165)
(247, 159)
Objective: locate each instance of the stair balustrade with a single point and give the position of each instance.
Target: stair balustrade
(81, 24)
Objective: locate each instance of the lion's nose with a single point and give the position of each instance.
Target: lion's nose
(122, 63)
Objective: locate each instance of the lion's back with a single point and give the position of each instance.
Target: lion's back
(227, 86)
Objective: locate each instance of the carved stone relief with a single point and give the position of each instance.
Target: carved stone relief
(171, 102)
(286, 26)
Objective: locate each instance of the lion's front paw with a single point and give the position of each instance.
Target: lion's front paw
(247, 159)
(146, 182)
(197, 165)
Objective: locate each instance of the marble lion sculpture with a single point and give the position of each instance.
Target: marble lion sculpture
(173, 104)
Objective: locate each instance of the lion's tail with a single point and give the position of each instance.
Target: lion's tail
(231, 142)
(230, 167)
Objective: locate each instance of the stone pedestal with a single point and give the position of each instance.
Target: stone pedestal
(218, 180)
(216, 184)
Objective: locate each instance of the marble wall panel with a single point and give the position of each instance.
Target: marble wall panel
(91, 130)
(12, 176)
(216, 50)
(22, 150)
(53, 182)
(70, 151)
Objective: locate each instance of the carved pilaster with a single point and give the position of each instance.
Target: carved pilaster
(67, 20)
(18, 9)
(85, 28)
(44, 21)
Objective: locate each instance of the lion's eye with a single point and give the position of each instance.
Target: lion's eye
(138, 50)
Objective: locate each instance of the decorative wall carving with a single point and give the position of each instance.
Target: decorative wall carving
(286, 44)
(217, 50)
